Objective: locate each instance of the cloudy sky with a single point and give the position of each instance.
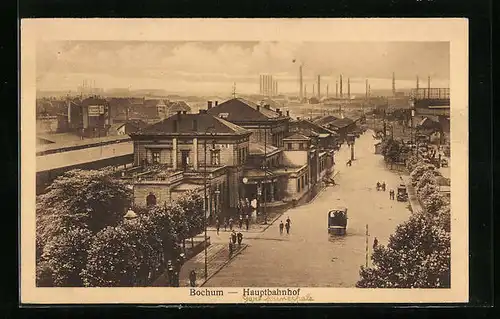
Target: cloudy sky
(213, 67)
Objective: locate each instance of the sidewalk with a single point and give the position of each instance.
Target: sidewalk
(412, 196)
(217, 258)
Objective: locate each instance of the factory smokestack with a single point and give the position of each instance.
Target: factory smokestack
(366, 88)
(314, 91)
(319, 87)
(349, 88)
(305, 91)
(301, 84)
(341, 85)
(393, 84)
(327, 90)
(336, 88)
(417, 83)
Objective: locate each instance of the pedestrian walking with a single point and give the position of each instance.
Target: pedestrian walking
(230, 248)
(383, 186)
(375, 242)
(240, 238)
(217, 225)
(288, 221)
(225, 223)
(231, 223)
(378, 186)
(192, 278)
(281, 227)
(247, 221)
(240, 221)
(287, 226)
(233, 237)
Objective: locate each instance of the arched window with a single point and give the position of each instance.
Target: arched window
(151, 200)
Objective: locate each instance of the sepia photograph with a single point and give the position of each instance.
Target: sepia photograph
(284, 164)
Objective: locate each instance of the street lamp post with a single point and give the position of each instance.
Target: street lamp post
(205, 199)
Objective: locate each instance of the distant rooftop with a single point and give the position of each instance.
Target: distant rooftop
(192, 124)
(241, 110)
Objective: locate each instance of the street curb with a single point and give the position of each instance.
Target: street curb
(223, 265)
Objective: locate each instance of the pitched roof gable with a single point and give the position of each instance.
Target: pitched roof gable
(241, 110)
(191, 124)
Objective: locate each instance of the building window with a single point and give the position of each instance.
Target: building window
(301, 146)
(215, 158)
(156, 157)
(289, 146)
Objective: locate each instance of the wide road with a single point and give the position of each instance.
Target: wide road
(308, 256)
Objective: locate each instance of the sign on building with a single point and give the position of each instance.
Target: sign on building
(96, 110)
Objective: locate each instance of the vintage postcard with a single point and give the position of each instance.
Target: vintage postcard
(244, 161)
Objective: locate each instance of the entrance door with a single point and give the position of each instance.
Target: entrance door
(184, 159)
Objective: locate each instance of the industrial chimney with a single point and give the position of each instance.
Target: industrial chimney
(341, 85)
(393, 84)
(349, 88)
(319, 87)
(417, 84)
(336, 88)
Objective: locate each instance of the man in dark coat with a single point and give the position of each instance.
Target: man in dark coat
(240, 238)
(240, 222)
(217, 225)
(233, 237)
(247, 221)
(192, 278)
(281, 227)
(287, 226)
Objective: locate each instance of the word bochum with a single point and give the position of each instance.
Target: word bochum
(205, 292)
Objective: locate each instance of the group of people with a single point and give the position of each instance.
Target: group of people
(229, 223)
(286, 226)
(392, 193)
(381, 186)
(235, 237)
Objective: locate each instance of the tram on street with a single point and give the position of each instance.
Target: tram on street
(337, 221)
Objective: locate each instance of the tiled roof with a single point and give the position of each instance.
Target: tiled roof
(186, 125)
(259, 149)
(241, 110)
(175, 106)
(297, 136)
(340, 123)
(306, 124)
(325, 120)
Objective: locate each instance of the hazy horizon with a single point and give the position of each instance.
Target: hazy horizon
(205, 68)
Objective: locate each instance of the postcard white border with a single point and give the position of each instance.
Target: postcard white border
(330, 30)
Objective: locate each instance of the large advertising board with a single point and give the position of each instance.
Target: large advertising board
(96, 110)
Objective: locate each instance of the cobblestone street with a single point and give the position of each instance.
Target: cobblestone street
(308, 256)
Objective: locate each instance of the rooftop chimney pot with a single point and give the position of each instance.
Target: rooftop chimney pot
(216, 103)
(209, 104)
(288, 113)
(258, 107)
